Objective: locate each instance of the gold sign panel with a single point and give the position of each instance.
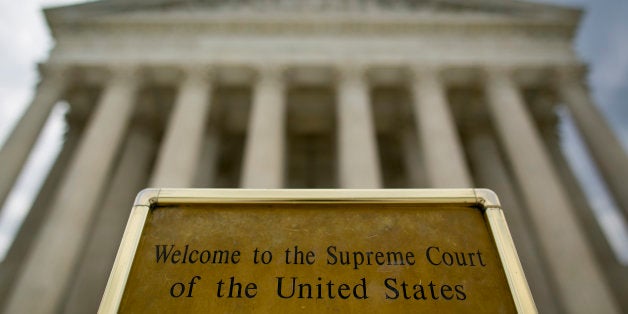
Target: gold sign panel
(317, 251)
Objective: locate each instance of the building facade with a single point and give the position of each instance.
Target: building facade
(311, 94)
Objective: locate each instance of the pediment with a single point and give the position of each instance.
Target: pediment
(196, 10)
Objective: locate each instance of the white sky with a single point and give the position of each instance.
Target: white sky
(24, 40)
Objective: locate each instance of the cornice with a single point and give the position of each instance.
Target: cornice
(212, 11)
(328, 25)
(503, 7)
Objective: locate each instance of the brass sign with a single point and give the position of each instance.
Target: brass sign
(284, 251)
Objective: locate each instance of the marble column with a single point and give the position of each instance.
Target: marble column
(412, 158)
(130, 176)
(442, 153)
(616, 273)
(491, 172)
(579, 281)
(208, 169)
(603, 145)
(180, 152)
(19, 144)
(56, 250)
(357, 143)
(13, 262)
(264, 151)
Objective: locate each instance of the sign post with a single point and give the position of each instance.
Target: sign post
(393, 251)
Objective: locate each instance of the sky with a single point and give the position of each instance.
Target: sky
(602, 42)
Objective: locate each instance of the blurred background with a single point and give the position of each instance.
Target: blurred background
(601, 42)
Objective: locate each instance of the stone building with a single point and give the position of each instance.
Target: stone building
(311, 94)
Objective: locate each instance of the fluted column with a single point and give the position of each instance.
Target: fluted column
(357, 145)
(19, 144)
(180, 152)
(616, 272)
(130, 176)
(490, 172)
(13, 262)
(412, 158)
(603, 145)
(442, 153)
(208, 169)
(263, 165)
(51, 262)
(579, 281)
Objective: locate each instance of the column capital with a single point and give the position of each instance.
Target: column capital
(55, 71)
(125, 72)
(351, 72)
(203, 74)
(55, 76)
(570, 74)
(418, 72)
(577, 70)
(425, 75)
(500, 76)
(497, 72)
(271, 72)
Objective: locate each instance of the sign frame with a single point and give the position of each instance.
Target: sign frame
(484, 199)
